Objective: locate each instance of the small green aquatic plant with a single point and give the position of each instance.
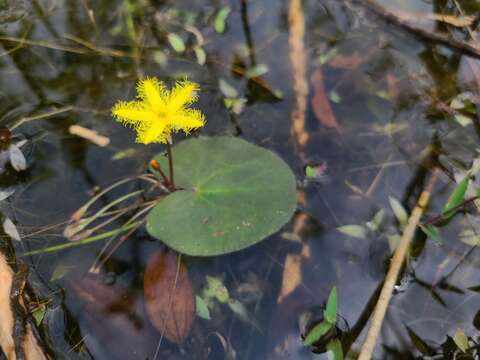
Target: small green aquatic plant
(227, 194)
(326, 329)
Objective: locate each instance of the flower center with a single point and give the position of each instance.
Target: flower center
(162, 114)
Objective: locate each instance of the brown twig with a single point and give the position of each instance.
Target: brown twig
(465, 47)
(296, 21)
(292, 270)
(394, 270)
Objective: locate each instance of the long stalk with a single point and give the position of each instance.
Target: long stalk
(98, 237)
(170, 166)
(74, 228)
(394, 270)
(154, 164)
(100, 260)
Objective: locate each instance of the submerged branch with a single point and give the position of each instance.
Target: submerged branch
(394, 270)
(464, 47)
(292, 273)
(296, 21)
(41, 116)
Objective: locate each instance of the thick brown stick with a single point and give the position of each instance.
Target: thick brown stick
(292, 270)
(296, 22)
(395, 266)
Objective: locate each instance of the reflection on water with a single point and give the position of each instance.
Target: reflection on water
(375, 99)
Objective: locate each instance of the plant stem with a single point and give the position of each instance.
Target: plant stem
(156, 166)
(446, 215)
(170, 166)
(101, 236)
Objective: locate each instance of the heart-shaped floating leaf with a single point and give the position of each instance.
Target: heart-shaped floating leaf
(232, 195)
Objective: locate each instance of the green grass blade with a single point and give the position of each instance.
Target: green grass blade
(88, 240)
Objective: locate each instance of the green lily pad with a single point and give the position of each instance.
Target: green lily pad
(231, 194)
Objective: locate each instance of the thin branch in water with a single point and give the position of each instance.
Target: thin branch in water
(394, 270)
(296, 21)
(85, 50)
(40, 116)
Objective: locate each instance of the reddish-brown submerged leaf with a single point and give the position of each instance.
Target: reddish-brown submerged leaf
(169, 296)
(321, 105)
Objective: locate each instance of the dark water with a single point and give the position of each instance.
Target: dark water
(376, 152)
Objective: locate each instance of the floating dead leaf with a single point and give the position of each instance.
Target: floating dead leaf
(90, 135)
(320, 103)
(458, 21)
(169, 296)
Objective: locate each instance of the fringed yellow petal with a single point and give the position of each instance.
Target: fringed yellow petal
(158, 111)
(158, 132)
(154, 92)
(184, 93)
(188, 120)
(132, 113)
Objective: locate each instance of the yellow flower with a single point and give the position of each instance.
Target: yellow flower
(158, 112)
